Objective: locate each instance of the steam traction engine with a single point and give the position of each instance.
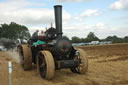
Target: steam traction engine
(56, 53)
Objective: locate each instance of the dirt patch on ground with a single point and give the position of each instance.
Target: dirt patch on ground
(108, 65)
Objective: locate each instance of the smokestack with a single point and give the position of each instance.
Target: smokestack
(58, 19)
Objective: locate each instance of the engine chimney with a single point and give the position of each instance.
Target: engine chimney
(58, 19)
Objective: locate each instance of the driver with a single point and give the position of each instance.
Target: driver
(35, 35)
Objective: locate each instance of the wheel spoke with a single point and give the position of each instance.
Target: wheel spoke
(42, 65)
(81, 65)
(78, 68)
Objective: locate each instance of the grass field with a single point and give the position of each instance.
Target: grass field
(108, 65)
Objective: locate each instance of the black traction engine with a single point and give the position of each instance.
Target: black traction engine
(56, 53)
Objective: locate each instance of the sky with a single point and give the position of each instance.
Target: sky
(103, 17)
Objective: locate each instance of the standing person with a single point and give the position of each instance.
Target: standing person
(41, 35)
(35, 35)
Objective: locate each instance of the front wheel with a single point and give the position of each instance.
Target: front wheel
(45, 64)
(83, 64)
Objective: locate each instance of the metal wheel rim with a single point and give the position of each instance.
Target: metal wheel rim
(80, 63)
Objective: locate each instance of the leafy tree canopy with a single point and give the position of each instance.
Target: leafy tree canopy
(14, 31)
(76, 39)
(91, 37)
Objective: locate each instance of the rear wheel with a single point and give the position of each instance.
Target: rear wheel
(83, 64)
(45, 64)
(26, 56)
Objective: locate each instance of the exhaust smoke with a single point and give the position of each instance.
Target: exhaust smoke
(14, 55)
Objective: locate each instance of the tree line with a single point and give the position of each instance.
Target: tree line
(92, 37)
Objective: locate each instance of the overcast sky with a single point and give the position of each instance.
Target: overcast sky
(103, 17)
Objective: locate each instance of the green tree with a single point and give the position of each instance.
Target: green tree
(114, 39)
(14, 31)
(126, 39)
(76, 39)
(91, 37)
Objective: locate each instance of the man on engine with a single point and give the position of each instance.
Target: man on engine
(35, 35)
(41, 35)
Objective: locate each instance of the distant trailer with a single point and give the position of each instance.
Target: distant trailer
(105, 42)
(94, 43)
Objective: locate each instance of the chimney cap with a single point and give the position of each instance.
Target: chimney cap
(58, 6)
